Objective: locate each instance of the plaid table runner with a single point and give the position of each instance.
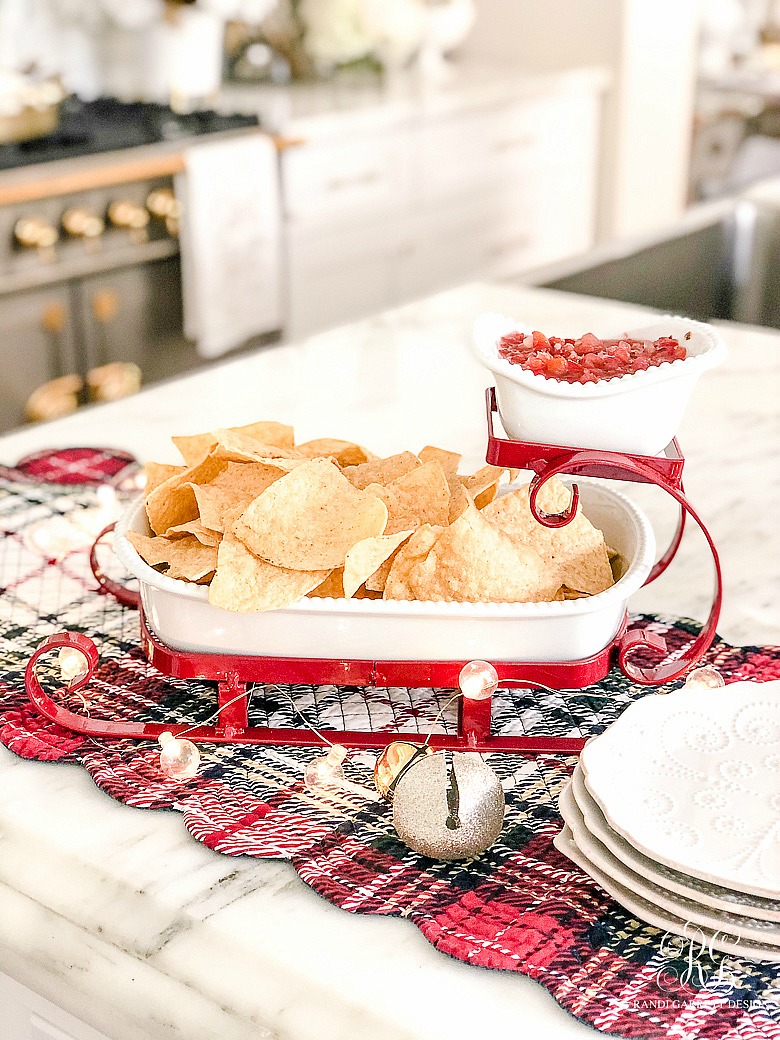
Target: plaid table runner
(521, 906)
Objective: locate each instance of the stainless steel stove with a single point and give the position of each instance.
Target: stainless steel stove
(90, 282)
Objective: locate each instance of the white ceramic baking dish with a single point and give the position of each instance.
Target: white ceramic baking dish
(637, 413)
(181, 616)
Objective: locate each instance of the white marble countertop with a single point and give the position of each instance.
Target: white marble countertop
(118, 916)
(348, 104)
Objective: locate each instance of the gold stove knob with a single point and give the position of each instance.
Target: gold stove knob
(82, 223)
(162, 203)
(128, 215)
(35, 233)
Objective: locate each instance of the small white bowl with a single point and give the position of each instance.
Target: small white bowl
(637, 413)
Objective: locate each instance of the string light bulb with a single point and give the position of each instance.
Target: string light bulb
(72, 664)
(179, 757)
(478, 680)
(325, 772)
(704, 678)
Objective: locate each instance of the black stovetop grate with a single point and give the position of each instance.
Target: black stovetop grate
(107, 125)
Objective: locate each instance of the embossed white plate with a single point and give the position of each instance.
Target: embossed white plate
(686, 908)
(692, 780)
(715, 896)
(702, 938)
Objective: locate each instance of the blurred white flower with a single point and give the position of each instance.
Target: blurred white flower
(398, 27)
(340, 31)
(336, 30)
(250, 11)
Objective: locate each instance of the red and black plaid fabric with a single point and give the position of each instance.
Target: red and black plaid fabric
(72, 466)
(521, 906)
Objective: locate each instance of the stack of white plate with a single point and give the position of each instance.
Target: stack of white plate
(675, 812)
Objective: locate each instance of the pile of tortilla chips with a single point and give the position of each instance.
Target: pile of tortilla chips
(263, 521)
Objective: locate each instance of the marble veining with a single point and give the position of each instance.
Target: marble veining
(118, 916)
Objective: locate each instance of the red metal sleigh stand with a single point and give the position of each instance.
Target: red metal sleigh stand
(630, 649)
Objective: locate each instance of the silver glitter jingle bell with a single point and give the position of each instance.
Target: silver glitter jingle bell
(449, 806)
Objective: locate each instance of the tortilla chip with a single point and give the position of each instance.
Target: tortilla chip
(196, 447)
(310, 518)
(236, 447)
(211, 509)
(377, 581)
(157, 473)
(364, 593)
(577, 553)
(268, 432)
(246, 584)
(186, 557)
(366, 556)
(345, 453)
(153, 551)
(225, 497)
(195, 527)
(483, 484)
(332, 587)
(191, 560)
(418, 497)
(173, 502)
(460, 499)
(381, 471)
(567, 593)
(406, 558)
(473, 561)
(448, 460)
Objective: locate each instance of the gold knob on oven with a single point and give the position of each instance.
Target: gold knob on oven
(162, 203)
(129, 215)
(35, 233)
(82, 223)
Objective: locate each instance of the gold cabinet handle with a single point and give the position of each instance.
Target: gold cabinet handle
(162, 203)
(53, 318)
(105, 306)
(35, 233)
(82, 223)
(128, 215)
(358, 180)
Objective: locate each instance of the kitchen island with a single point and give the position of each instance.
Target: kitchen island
(118, 917)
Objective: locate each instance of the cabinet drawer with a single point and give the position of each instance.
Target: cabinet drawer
(555, 219)
(469, 153)
(325, 183)
(336, 277)
(539, 220)
(37, 343)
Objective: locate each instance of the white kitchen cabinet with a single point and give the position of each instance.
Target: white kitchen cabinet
(327, 183)
(338, 275)
(487, 192)
(26, 1016)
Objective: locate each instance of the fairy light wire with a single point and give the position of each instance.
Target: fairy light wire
(215, 715)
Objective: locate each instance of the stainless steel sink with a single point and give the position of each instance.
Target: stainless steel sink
(721, 261)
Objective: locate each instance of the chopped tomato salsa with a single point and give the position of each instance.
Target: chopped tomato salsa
(587, 359)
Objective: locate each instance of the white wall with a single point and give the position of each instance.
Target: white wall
(650, 47)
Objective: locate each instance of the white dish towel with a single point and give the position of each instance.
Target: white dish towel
(230, 242)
